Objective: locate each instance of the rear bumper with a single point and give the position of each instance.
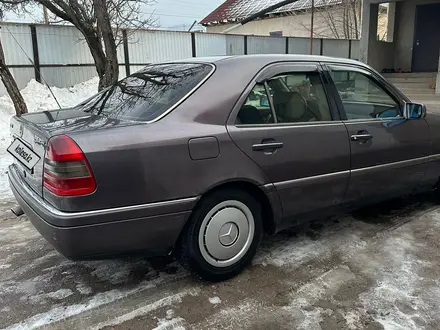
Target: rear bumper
(147, 228)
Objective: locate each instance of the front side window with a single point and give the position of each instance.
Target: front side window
(362, 97)
(296, 97)
(148, 93)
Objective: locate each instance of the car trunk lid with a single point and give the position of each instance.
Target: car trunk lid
(35, 129)
(34, 139)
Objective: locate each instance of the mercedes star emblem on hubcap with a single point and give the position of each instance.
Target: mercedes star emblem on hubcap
(228, 234)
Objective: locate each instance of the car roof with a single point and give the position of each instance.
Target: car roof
(203, 59)
(268, 58)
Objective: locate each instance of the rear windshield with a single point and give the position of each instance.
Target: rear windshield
(148, 93)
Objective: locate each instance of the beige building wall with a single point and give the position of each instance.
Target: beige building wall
(292, 26)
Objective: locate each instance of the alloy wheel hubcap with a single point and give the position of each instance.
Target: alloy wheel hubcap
(226, 233)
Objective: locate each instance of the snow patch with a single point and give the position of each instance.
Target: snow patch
(343, 239)
(19, 233)
(436, 219)
(230, 318)
(167, 301)
(60, 294)
(83, 289)
(56, 295)
(62, 312)
(295, 252)
(353, 320)
(173, 324)
(38, 97)
(27, 288)
(394, 298)
(35, 263)
(215, 300)
(310, 319)
(170, 314)
(305, 297)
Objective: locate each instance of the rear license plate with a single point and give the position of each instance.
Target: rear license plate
(23, 154)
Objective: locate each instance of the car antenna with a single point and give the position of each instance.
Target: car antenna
(33, 64)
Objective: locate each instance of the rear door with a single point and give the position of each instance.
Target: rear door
(389, 154)
(284, 123)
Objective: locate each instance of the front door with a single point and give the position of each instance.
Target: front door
(284, 123)
(426, 38)
(389, 154)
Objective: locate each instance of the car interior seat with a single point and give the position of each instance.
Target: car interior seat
(250, 115)
(292, 107)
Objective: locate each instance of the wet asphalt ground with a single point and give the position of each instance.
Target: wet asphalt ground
(377, 268)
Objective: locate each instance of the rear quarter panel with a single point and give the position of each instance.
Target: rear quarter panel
(151, 163)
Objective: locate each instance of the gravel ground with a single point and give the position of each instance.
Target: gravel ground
(374, 269)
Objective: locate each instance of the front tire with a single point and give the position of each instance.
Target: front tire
(222, 235)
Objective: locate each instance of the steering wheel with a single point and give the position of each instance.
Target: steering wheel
(387, 113)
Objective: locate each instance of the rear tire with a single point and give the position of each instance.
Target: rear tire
(222, 235)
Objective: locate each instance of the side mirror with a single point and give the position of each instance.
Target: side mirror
(414, 111)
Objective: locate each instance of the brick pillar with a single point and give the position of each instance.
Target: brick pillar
(365, 32)
(391, 17)
(369, 32)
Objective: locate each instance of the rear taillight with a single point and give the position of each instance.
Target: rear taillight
(66, 170)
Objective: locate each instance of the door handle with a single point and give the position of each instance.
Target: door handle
(267, 146)
(361, 137)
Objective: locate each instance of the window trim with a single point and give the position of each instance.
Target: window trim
(295, 124)
(271, 105)
(380, 82)
(173, 106)
(187, 95)
(273, 70)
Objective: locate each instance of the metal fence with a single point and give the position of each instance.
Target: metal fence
(61, 55)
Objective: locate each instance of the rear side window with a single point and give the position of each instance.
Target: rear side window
(256, 110)
(148, 93)
(292, 97)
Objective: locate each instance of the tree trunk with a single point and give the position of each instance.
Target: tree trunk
(111, 70)
(94, 24)
(99, 57)
(332, 23)
(347, 19)
(344, 22)
(359, 17)
(11, 86)
(355, 19)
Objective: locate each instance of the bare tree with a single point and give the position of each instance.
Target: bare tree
(100, 21)
(382, 23)
(5, 75)
(341, 21)
(11, 86)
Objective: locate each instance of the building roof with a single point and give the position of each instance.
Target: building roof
(235, 10)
